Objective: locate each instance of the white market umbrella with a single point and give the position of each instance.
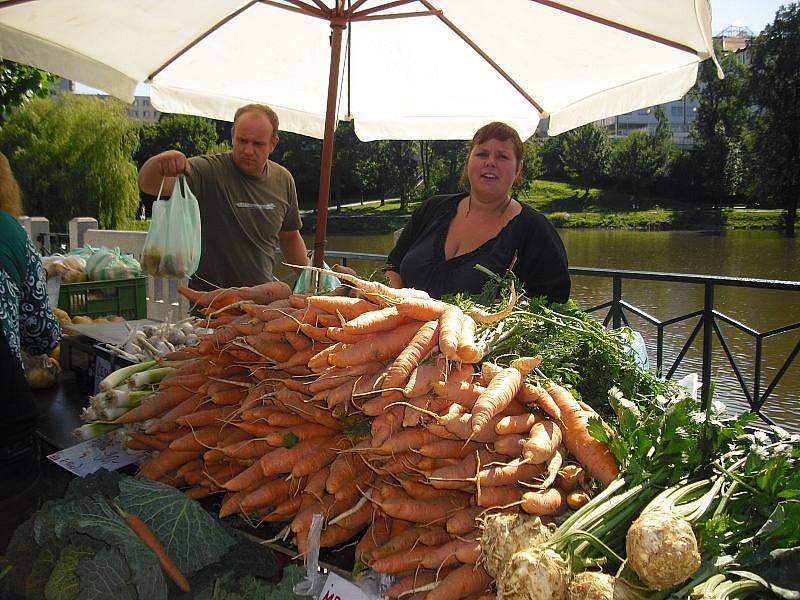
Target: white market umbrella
(403, 69)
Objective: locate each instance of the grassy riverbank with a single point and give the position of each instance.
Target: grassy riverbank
(566, 206)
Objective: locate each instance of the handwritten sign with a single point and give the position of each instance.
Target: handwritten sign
(87, 457)
(338, 588)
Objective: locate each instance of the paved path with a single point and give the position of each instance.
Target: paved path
(332, 207)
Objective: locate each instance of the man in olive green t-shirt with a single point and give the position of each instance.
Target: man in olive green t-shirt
(248, 204)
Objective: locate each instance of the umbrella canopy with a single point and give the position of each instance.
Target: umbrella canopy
(403, 69)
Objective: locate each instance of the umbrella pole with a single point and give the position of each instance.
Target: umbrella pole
(337, 25)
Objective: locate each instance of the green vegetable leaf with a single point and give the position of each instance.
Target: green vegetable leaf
(95, 517)
(290, 439)
(102, 481)
(64, 583)
(191, 536)
(107, 575)
(40, 573)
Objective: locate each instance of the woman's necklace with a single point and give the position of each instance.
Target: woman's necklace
(499, 212)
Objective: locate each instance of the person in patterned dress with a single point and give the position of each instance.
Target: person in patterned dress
(27, 324)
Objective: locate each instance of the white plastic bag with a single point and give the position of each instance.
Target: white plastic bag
(314, 282)
(172, 246)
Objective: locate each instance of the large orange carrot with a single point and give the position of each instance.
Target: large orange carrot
(417, 350)
(569, 477)
(542, 442)
(350, 308)
(468, 351)
(450, 325)
(345, 468)
(421, 379)
(510, 474)
(150, 540)
(448, 448)
(322, 456)
(271, 492)
(376, 535)
(591, 453)
(154, 405)
(420, 579)
(498, 395)
(463, 522)
(404, 560)
(445, 554)
(197, 440)
(209, 416)
(384, 319)
(551, 501)
(380, 348)
(167, 422)
(422, 309)
(509, 444)
(167, 461)
(534, 395)
(399, 542)
(463, 582)
(283, 460)
(516, 423)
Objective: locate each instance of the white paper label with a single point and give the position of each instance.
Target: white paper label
(338, 588)
(98, 453)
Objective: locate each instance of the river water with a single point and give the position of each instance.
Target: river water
(758, 254)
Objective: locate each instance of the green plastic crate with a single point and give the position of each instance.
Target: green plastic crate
(122, 297)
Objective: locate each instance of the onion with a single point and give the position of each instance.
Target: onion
(662, 549)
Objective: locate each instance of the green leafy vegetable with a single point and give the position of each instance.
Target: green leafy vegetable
(64, 583)
(191, 536)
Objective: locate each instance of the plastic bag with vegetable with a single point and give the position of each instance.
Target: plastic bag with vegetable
(41, 371)
(105, 264)
(172, 246)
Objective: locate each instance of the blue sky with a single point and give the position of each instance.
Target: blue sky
(755, 14)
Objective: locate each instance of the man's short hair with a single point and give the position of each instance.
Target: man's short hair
(262, 108)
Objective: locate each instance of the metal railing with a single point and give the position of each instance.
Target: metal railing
(52, 243)
(708, 322)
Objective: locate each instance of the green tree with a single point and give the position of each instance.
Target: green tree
(550, 154)
(189, 134)
(774, 88)
(637, 162)
(20, 83)
(72, 156)
(722, 125)
(585, 154)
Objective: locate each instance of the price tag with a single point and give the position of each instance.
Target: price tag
(338, 588)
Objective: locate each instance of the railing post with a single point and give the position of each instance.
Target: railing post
(757, 373)
(616, 299)
(708, 344)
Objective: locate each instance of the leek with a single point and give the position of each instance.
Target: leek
(119, 376)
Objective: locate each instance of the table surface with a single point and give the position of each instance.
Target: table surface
(60, 409)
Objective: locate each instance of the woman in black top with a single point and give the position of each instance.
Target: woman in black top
(448, 235)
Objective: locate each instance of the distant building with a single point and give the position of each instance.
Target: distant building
(682, 113)
(140, 110)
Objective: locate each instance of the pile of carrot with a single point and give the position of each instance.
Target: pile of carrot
(374, 407)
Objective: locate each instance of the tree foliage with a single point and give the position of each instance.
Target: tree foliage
(637, 161)
(585, 154)
(72, 156)
(774, 89)
(722, 125)
(20, 83)
(189, 134)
